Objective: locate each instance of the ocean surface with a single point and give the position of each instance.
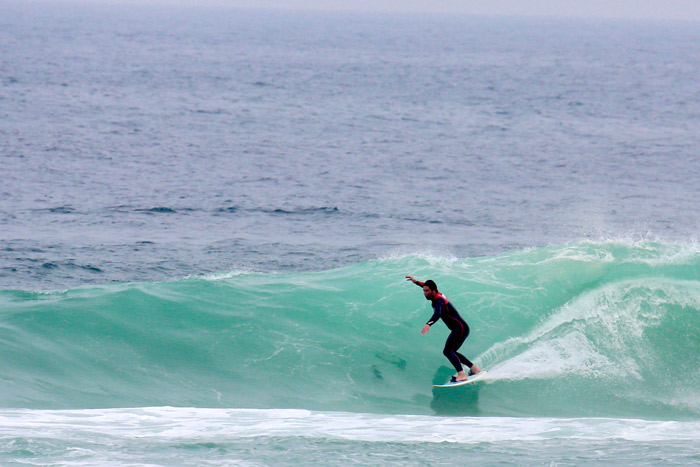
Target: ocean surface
(206, 217)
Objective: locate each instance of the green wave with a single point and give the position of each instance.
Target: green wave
(581, 329)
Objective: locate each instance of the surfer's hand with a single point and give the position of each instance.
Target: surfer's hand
(426, 328)
(409, 278)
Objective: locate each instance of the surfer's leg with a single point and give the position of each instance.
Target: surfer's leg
(451, 345)
(464, 360)
(459, 340)
(473, 369)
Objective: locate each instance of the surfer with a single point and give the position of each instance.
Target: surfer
(442, 308)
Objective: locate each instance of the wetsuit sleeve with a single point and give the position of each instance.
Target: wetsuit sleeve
(437, 308)
(419, 283)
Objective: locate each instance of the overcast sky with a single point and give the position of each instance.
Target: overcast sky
(669, 9)
(662, 9)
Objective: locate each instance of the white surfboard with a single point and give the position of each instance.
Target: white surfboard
(470, 379)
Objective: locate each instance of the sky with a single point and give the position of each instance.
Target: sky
(658, 9)
(662, 9)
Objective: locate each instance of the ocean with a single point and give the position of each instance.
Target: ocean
(207, 214)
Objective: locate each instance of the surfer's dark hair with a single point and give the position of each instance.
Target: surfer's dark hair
(431, 285)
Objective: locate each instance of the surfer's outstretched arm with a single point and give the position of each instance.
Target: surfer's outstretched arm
(418, 283)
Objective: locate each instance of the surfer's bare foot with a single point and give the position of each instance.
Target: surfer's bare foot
(474, 370)
(461, 376)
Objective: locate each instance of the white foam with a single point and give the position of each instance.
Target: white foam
(220, 276)
(568, 354)
(431, 256)
(600, 332)
(650, 250)
(576, 254)
(219, 425)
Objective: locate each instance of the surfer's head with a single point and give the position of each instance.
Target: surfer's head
(430, 289)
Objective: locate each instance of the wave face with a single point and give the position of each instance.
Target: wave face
(581, 329)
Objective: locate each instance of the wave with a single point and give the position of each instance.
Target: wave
(581, 329)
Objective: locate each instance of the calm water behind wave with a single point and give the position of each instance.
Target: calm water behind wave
(147, 144)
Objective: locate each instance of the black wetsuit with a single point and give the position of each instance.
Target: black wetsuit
(442, 308)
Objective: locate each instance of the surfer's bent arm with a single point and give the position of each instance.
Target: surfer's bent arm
(437, 307)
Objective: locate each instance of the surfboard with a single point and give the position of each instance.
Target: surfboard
(470, 379)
